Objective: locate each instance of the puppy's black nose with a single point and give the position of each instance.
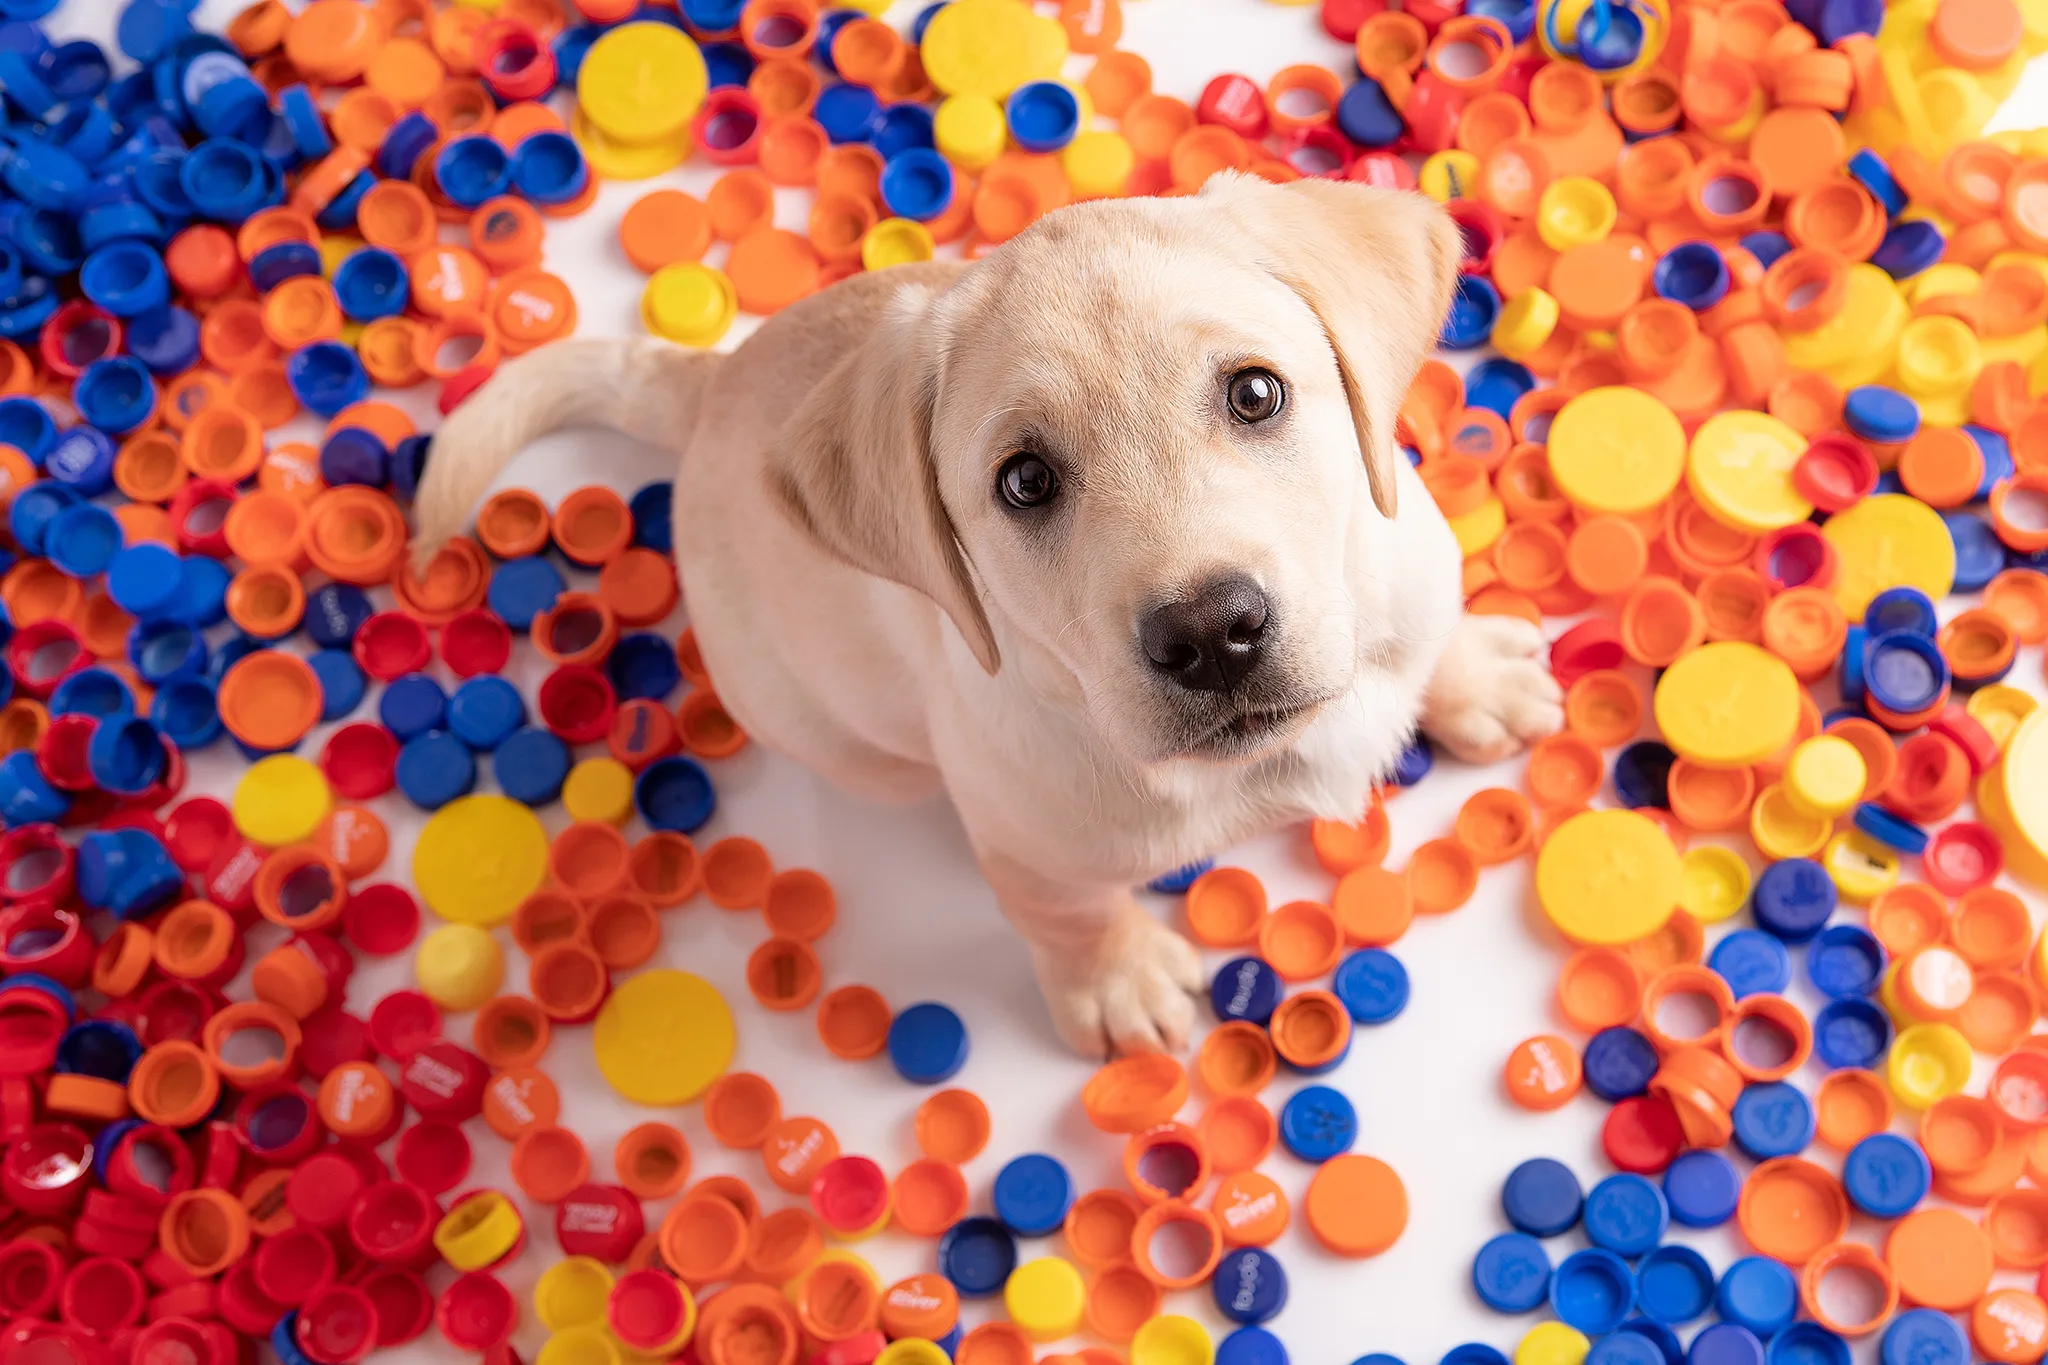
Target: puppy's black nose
(1208, 642)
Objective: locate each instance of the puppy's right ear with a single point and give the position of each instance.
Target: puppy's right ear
(854, 469)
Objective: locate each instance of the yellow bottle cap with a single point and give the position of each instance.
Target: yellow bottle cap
(1928, 1062)
(1172, 1340)
(572, 1293)
(1999, 709)
(478, 1231)
(1098, 162)
(1713, 883)
(616, 160)
(1552, 1343)
(1574, 211)
(984, 47)
(1889, 541)
(1478, 529)
(1728, 704)
(459, 967)
(1740, 468)
(588, 1345)
(600, 790)
(280, 800)
(641, 83)
(2023, 785)
(1781, 831)
(968, 128)
(1448, 175)
(1861, 868)
(896, 241)
(1856, 345)
(913, 1351)
(1046, 1298)
(1525, 323)
(663, 1037)
(1616, 450)
(1938, 356)
(1825, 776)
(478, 858)
(690, 303)
(1608, 877)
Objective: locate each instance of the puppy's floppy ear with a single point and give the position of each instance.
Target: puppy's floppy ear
(854, 469)
(1378, 267)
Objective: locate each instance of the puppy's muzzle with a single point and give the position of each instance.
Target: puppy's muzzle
(1211, 641)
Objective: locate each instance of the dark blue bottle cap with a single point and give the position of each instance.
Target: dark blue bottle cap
(1413, 765)
(1793, 899)
(1318, 1123)
(1626, 1214)
(1642, 775)
(148, 28)
(1997, 453)
(917, 183)
(1674, 1285)
(1659, 1336)
(1809, 1343)
(127, 872)
(372, 283)
(1752, 963)
(326, 377)
(522, 589)
(308, 129)
(1852, 1032)
(1874, 173)
(1894, 831)
(977, 1255)
(918, 25)
(725, 63)
(1625, 1348)
(1758, 1293)
(1700, 1188)
(115, 221)
(1886, 1175)
(1593, 1291)
(143, 579)
(1250, 1285)
(83, 540)
(927, 1044)
(829, 24)
(1905, 672)
(412, 705)
(1497, 384)
(1909, 248)
(485, 711)
(434, 769)
(1766, 246)
(1246, 988)
(1725, 1343)
(675, 793)
(26, 796)
(904, 127)
(187, 710)
(165, 340)
(1846, 959)
(1772, 1119)
(1367, 116)
(1032, 1193)
(643, 666)
(1618, 1063)
(335, 612)
(1043, 116)
(405, 144)
(1177, 882)
(531, 766)
(283, 261)
(92, 692)
(1471, 1353)
(223, 179)
(653, 522)
(1918, 1336)
(1251, 1346)
(342, 683)
(950, 1343)
(1693, 274)
(1901, 609)
(408, 463)
(1879, 414)
(115, 394)
(1377, 1357)
(1980, 556)
(1542, 1197)
(1373, 985)
(1474, 307)
(711, 16)
(1511, 1273)
(472, 169)
(81, 461)
(548, 168)
(27, 425)
(126, 755)
(352, 455)
(105, 1048)
(847, 113)
(202, 598)
(1849, 668)
(162, 650)
(232, 649)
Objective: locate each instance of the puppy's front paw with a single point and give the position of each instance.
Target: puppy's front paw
(1492, 693)
(1133, 994)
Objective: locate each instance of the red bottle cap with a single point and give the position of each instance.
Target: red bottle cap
(196, 831)
(360, 760)
(323, 1190)
(433, 1155)
(48, 1168)
(339, 1327)
(330, 1037)
(850, 1194)
(176, 1339)
(194, 1299)
(231, 879)
(576, 703)
(30, 1274)
(102, 1295)
(278, 1124)
(38, 866)
(444, 1081)
(391, 644)
(381, 919)
(476, 642)
(477, 1312)
(602, 1221)
(148, 1165)
(402, 1023)
(393, 1223)
(295, 1265)
(242, 1303)
(404, 1308)
(60, 753)
(174, 1011)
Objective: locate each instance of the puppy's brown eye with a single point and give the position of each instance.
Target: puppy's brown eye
(1027, 482)
(1256, 395)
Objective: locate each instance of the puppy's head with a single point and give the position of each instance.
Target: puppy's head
(1143, 451)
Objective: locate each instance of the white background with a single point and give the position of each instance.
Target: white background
(916, 922)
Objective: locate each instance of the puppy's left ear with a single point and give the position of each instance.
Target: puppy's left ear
(1377, 267)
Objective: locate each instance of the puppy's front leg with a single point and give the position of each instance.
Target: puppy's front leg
(1492, 693)
(1115, 978)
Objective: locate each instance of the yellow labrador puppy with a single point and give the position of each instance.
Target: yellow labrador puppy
(1107, 534)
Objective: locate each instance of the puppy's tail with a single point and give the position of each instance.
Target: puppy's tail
(646, 388)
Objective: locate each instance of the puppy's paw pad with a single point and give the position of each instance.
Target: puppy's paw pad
(1493, 694)
(1134, 995)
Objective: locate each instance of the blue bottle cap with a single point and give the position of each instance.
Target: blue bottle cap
(1367, 116)
(918, 183)
(1767, 246)
(1474, 307)
(27, 425)
(223, 179)
(1846, 959)
(233, 648)
(46, 176)
(1693, 274)
(711, 16)
(405, 144)
(83, 540)
(1852, 1032)
(927, 1044)
(162, 650)
(1793, 899)
(1758, 1293)
(335, 612)
(105, 1048)
(548, 168)
(1700, 1188)
(342, 682)
(977, 1255)
(1980, 556)
(283, 261)
(522, 589)
(1918, 1336)
(1413, 765)
(1032, 1193)
(1879, 414)
(1626, 1214)
(1997, 453)
(326, 377)
(1618, 1063)
(165, 340)
(1642, 775)
(352, 455)
(1909, 248)
(485, 711)
(1511, 1273)
(531, 766)
(1849, 668)
(115, 394)
(1373, 985)
(1251, 1346)
(284, 1341)
(82, 461)
(1471, 1353)
(1901, 609)
(1874, 173)
(1625, 1348)
(1772, 1119)
(1840, 18)
(1894, 831)
(118, 220)
(1886, 1175)
(848, 113)
(301, 115)
(1809, 1343)
(653, 523)
(1177, 882)
(829, 24)
(434, 769)
(187, 710)
(1497, 384)
(918, 25)
(127, 872)
(950, 1343)
(126, 755)
(1246, 988)
(1542, 1197)
(34, 509)
(1043, 116)
(1659, 1336)
(675, 793)
(372, 283)
(408, 463)
(1725, 1343)
(472, 169)
(725, 63)
(92, 692)
(202, 598)
(643, 666)
(1249, 1286)
(26, 796)
(1752, 963)
(904, 127)
(1318, 1123)
(1593, 1291)
(148, 28)
(1905, 672)
(1674, 1284)
(412, 705)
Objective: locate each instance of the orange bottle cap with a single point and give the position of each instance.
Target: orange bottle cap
(623, 929)
(924, 1306)
(549, 1163)
(1341, 847)
(1236, 1058)
(588, 859)
(568, 980)
(1373, 906)
(663, 867)
(1849, 1105)
(703, 1239)
(1710, 799)
(1790, 1209)
(1543, 1073)
(1238, 1133)
(1194, 1235)
(663, 228)
(547, 916)
(740, 1109)
(783, 974)
(397, 216)
(853, 1022)
(1496, 825)
(1940, 1259)
(737, 873)
(1301, 940)
(1858, 1278)
(204, 1230)
(1565, 771)
(1598, 988)
(928, 1197)
(506, 233)
(511, 1031)
(357, 1101)
(1250, 1208)
(1442, 875)
(1356, 1205)
(520, 1098)
(1311, 1029)
(952, 1126)
(795, 1151)
(639, 585)
(1225, 907)
(1135, 1092)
